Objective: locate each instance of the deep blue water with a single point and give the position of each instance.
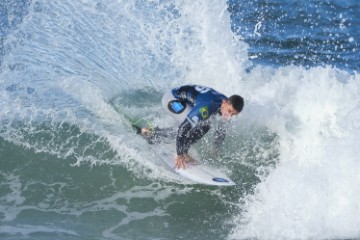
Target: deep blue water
(306, 33)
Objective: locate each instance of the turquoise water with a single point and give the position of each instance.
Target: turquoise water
(72, 168)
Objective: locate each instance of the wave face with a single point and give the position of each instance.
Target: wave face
(73, 168)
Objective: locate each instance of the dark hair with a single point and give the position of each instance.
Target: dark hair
(236, 102)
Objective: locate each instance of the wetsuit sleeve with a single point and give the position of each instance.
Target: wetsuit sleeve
(182, 143)
(188, 135)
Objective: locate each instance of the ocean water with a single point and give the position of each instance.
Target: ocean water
(71, 168)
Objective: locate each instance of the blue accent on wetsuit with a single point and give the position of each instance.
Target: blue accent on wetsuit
(205, 102)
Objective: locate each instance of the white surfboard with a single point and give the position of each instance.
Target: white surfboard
(199, 173)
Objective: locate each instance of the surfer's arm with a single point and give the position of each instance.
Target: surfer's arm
(219, 138)
(182, 141)
(182, 144)
(198, 127)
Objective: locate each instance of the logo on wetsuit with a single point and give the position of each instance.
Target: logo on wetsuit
(204, 112)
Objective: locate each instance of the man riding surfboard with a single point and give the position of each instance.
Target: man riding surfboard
(194, 107)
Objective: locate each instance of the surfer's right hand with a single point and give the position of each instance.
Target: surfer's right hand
(180, 162)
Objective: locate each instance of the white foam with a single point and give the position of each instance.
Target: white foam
(207, 50)
(313, 192)
(11, 201)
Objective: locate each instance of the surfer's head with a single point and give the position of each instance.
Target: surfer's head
(232, 106)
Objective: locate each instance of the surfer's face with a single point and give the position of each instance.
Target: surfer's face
(227, 110)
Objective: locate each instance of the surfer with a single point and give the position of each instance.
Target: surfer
(194, 107)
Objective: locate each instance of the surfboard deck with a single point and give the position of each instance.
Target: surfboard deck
(199, 172)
